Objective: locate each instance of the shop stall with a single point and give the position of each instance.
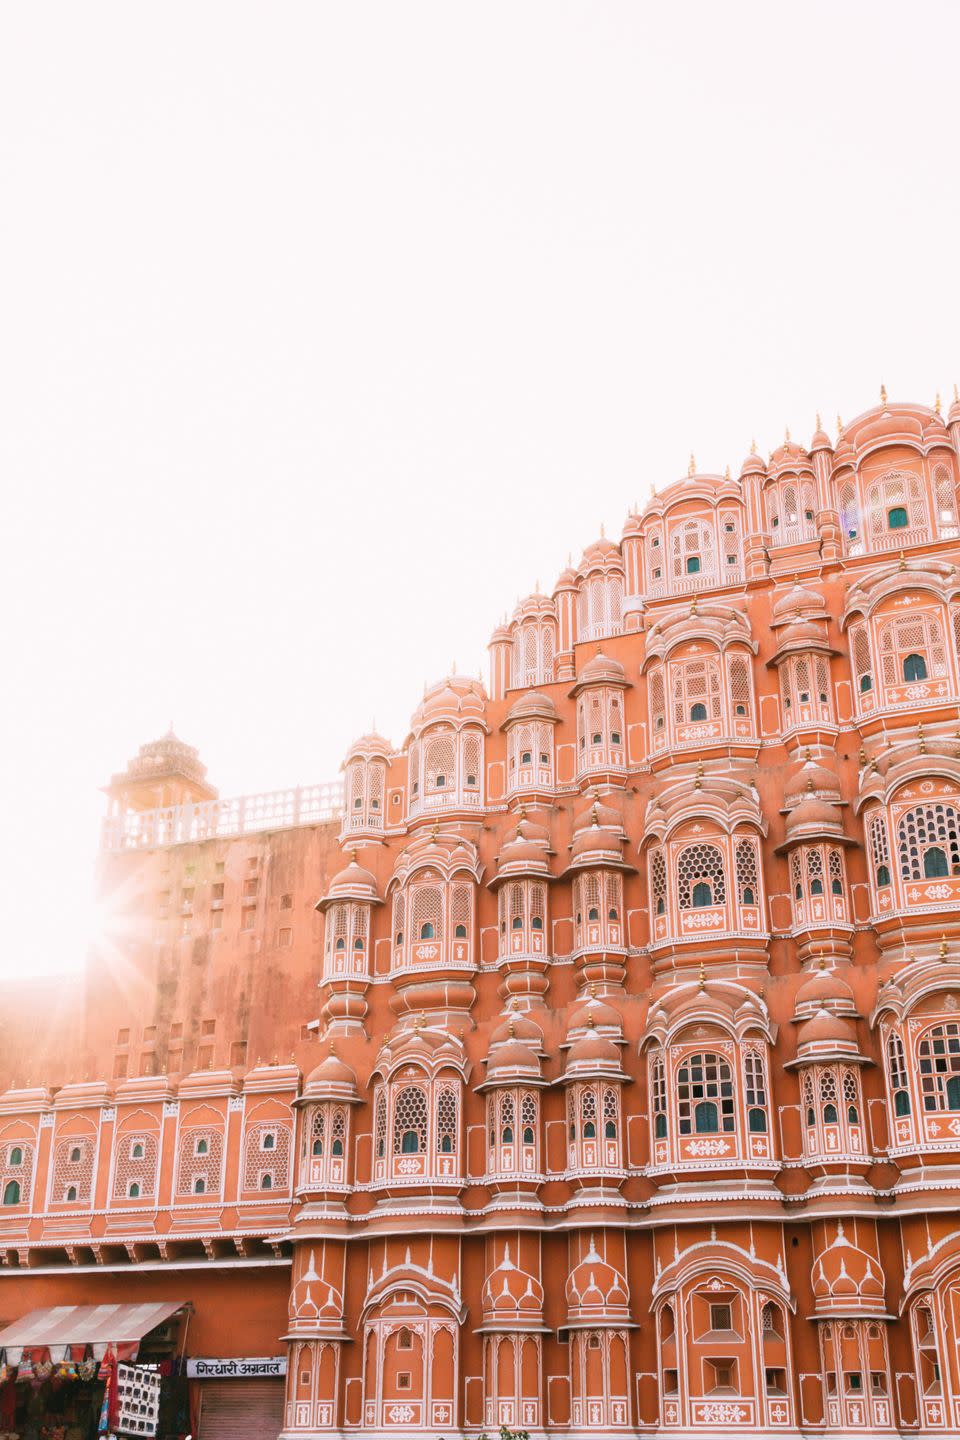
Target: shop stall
(76, 1372)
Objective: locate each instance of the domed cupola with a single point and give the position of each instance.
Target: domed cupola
(826, 1036)
(512, 1298)
(596, 1292)
(823, 989)
(847, 1281)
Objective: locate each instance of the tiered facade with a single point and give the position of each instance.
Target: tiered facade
(628, 1101)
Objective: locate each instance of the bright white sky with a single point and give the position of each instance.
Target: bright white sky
(327, 329)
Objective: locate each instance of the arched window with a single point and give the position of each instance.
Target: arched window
(410, 1121)
(447, 1108)
(611, 1111)
(269, 1141)
(427, 931)
(939, 1055)
(134, 1190)
(929, 830)
(693, 564)
(658, 1087)
(199, 1186)
(136, 1150)
(914, 668)
(897, 1067)
(75, 1154)
(897, 518)
(700, 876)
(698, 711)
(266, 1181)
(528, 1119)
(11, 1192)
(16, 1156)
(756, 1092)
(71, 1192)
(705, 1095)
(202, 1146)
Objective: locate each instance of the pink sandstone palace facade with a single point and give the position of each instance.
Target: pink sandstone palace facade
(589, 1063)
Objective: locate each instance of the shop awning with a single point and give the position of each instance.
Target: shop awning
(86, 1324)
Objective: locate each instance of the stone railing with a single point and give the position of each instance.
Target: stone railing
(218, 819)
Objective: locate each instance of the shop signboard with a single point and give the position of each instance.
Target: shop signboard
(240, 1368)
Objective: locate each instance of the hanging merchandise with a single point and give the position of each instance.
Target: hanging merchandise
(108, 1409)
(138, 1400)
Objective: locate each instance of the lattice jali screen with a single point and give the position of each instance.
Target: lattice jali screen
(136, 1162)
(895, 489)
(447, 1110)
(946, 501)
(16, 1163)
(917, 634)
(195, 1163)
(923, 827)
(700, 864)
(73, 1169)
(747, 862)
(860, 655)
(410, 1120)
(273, 1160)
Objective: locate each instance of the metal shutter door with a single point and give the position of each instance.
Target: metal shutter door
(241, 1410)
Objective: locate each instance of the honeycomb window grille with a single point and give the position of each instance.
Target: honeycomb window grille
(318, 1132)
(700, 877)
(529, 1118)
(380, 1124)
(747, 867)
(413, 773)
(814, 858)
(507, 1119)
(938, 1057)
(588, 1113)
(447, 1121)
(928, 841)
(731, 542)
(835, 872)
(255, 1152)
(705, 1095)
(658, 881)
(897, 1074)
(600, 607)
(200, 1159)
(851, 1096)
(611, 1113)
(410, 1121)
(137, 1162)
